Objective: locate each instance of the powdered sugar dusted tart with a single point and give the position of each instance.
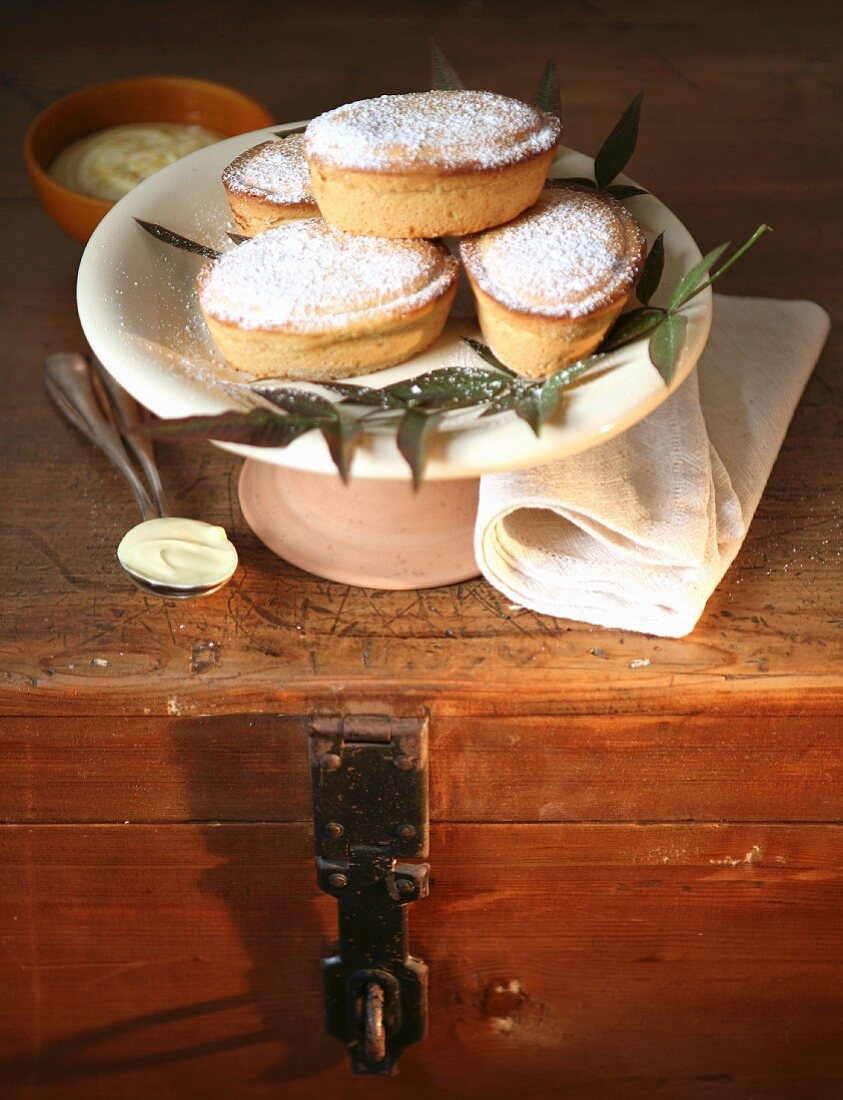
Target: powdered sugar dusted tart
(429, 164)
(306, 300)
(550, 283)
(269, 185)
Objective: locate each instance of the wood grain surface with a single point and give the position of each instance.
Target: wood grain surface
(637, 866)
(579, 961)
(255, 768)
(739, 100)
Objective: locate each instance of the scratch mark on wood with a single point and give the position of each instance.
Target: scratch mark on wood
(169, 621)
(342, 603)
(41, 544)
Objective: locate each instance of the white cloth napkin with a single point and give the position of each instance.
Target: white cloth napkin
(637, 532)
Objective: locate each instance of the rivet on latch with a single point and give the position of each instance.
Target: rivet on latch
(338, 881)
(406, 832)
(405, 886)
(330, 761)
(334, 830)
(403, 763)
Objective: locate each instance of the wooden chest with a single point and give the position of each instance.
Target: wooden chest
(636, 855)
(635, 875)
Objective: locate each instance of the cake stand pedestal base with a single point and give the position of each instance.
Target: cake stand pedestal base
(375, 533)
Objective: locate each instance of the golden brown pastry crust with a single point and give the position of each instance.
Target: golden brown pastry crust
(429, 164)
(324, 356)
(307, 301)
(548, 286)
(386, 204)
(268, 185)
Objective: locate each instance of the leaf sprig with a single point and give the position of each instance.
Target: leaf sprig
(168, 236)
(290, 130)
(546, 96)
(412, 409)
(614, 155)
(443, 75)
(667, 325)
(445, 78)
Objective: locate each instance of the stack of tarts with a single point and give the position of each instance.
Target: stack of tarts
(346, 271)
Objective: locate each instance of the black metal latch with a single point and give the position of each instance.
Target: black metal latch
(370, 808)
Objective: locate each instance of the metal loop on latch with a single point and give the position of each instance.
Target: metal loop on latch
(374, 1031)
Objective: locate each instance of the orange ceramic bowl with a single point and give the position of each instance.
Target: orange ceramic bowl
(142, 99)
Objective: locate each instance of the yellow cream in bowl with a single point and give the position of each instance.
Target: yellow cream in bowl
(109, 163)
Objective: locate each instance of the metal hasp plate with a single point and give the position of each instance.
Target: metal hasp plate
(370, 808)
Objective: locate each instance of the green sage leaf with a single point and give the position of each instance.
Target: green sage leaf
(258, 427)
(299, 402)
(745, 247)
(177, 240)
(488, 356)
(666, 343)
(504, 403)
(369, 396)
(537, 402)
(582, 181)
(443, 75)
(619, 146)
(546, 96)
(651, 275)
(449, 388)
(525, 400)
(629, 326)
(342, 436)
(690, 283)
(625, 191)
(566, 375)
(557, 382)
(415, 435)
(293, 130)
(551, 393)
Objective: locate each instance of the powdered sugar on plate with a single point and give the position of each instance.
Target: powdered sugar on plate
(572, 252)
(307, 276)
(431, 131)
(274, 170)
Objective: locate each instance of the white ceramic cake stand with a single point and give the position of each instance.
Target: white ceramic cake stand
(138, 308)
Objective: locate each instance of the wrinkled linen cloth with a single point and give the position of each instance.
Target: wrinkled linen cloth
(637, 532)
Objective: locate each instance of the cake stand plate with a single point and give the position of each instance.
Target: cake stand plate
(139, 310)
(373, 533)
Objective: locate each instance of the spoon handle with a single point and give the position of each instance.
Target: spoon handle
(129, 415)
(68, 382)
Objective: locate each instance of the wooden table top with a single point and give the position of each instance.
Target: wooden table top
(737, 129)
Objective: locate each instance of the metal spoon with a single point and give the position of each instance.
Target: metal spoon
(72, 387)
(130, 415)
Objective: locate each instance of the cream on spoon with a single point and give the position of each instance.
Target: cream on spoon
(178, 553)
(164, 555)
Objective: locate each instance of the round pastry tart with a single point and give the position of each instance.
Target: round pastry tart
(550, 283)
(269, 185)
(306, 300)
(429, 164)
